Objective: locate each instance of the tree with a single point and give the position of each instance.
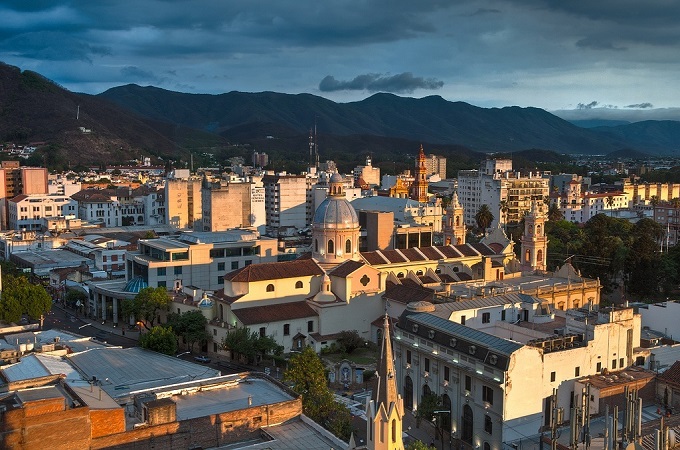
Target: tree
(160, 339)
(241, 341)
(73, 296)
(484, 217)
(308, 378)
(554, 213)
(19, 296)
(190, 325)
(504, 208)
(643, 261)
(146, 305)
(350, 341)
(427, 406)
(418, 445)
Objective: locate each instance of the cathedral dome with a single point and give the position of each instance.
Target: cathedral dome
(336, 213)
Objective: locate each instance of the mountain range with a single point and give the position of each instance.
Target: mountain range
(130, 120)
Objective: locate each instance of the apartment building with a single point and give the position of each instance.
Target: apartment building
(226, 205)
(26, 211)
(287, 199)
(15, 180)
(183, 202)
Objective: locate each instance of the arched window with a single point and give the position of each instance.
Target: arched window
(298, 285)
(408, 393)
(487, 446)
(527, 256)
(457, 221)
(348, 247)
(468, 424)
(488, 425)
(459, 241)
(331, 247)
(538, 230)
(270, 288)
(316, 245)
(419, 273)
(539, 257)
(394, 430)
(400, 275)
(426, 390)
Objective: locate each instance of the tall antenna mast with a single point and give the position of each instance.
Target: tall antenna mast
(78, 113)
(311, 149)
(316, 145)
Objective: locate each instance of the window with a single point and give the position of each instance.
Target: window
(503, 315)
(599, 367)
(220, 279)
(331, 248)
(220, 266)
(462, 320)
(214, 331)
(427, 364)
(552, 377)
(614, 363)
(577, 371)
(621, 363)
(348, 247)
(234, 265)
(408, 356)
(488, 425)
(486, 317)
(447, 373)
(298, 285)
(487, 394)
(263, 332)
(468, 383)
(286, 329)
(161, 284)
(178, 270)
(270, 288)
(310, 326)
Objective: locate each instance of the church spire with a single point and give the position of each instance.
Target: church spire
(386, 393)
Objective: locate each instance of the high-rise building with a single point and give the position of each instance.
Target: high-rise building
(436, 165)
(368, 173)
(286, 200)
(183, 202)
(225, 205)
(15, 180)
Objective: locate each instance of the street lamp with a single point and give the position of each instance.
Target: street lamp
(439, 429)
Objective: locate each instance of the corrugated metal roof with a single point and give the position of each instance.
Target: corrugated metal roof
(486, 302)
(499, 345)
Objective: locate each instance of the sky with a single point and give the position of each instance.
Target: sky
(583, 56)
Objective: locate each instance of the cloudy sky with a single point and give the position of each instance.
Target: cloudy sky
(553, 54)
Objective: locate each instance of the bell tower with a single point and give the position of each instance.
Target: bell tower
(454, 225)
(419, 186)
(534, 241)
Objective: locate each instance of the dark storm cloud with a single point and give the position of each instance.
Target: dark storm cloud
(645, 105)
(590, 105)
(52, 46)
(134, 73)
(374, 82)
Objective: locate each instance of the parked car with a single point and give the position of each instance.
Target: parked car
(202, 359)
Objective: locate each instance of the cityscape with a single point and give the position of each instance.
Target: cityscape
(339, 225)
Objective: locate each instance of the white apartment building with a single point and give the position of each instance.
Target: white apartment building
(494, 361)
(121, 206)
(287, 203)
(183, 201)
(61, 185)
(579, 207)
(26, 211)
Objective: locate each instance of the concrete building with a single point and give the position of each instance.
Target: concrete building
(26, 212)
(122, 206)
(579, 207)
(667, 214)
(226, 205)
(16, 180)
(286, 203)
(435, 165)
(183, 202)
(369, 174)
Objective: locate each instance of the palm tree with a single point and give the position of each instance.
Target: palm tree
(610, 202)
(554, 213)
(504, 207)
(484, 217)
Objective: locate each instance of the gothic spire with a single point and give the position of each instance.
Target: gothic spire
(386, 393)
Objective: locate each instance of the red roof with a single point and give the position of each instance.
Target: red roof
(274, 313)
(275, 271)
(346, 268)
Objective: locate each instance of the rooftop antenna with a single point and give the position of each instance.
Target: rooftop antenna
(311, 148)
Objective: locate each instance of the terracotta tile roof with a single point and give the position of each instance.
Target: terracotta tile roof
(462, 276)
(449, 251)
(346, 268)
(275, 271)
(407, 294)
(671, 375)
(427, 280)
(412, 254)
(466, 250)
(373, 258)
(274, 313)
(431, 253)
(482, 248)
(393, 256)
(409, 282)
